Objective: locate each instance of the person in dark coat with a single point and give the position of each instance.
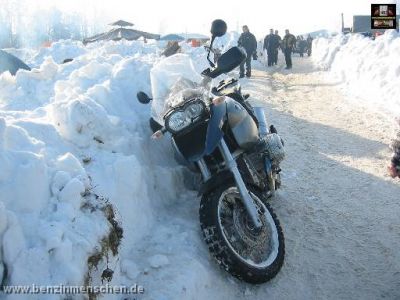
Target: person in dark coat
(309, 45)
(278, 41)
(270, 42)
(288, 43)
(172, 48)
(248, 41)
(302, 45)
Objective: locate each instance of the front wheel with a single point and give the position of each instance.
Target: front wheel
(250, 254)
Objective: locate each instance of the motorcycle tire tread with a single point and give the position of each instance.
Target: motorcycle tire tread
(221, 252)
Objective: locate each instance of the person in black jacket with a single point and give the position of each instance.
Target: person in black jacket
(248, 41)
(302, 45)
(287, 46)
(270, 44)
(278, 45)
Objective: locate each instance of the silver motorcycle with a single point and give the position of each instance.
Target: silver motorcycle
(216, 130)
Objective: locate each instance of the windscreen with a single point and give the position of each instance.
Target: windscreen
(173, 81)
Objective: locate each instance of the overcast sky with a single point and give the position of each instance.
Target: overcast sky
(166, 16)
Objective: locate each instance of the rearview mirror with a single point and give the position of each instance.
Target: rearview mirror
(227, 62)
(218, 28)
(230, 59)
(143, 97)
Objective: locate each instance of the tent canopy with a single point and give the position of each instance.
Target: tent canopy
(121, 23)
(195, 36)
(172, 37)
(9, 62)
(117, 34)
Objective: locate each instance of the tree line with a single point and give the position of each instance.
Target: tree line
(20, 27)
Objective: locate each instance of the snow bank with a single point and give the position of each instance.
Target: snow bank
(74, 140)
(369, 69)
(42, 219)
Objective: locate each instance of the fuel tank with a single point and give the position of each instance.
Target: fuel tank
(243, 127)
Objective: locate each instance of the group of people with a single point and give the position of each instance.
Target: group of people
(289, 44)
(272, 43)
(304, 45)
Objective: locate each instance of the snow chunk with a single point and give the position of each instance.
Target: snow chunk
(69, 163)
(83, 122)
(51, 233)
(24, 186)
(72, 193)
(59, 181)
(19, 139)
(158, 261)
(13, 240)
(3, 219)
(2, 129)
(130, 269)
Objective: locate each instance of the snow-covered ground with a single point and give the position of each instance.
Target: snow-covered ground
(338, 206)
(368, 69)
(74, 140)
(71, 136)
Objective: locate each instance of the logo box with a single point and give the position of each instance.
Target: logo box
(383, 16)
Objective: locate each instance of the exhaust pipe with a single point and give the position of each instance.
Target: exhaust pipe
(263, 129)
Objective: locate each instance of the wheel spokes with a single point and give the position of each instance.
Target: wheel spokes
(251, 245)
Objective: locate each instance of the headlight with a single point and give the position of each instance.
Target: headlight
(184, 116)
(178, 120)
(194, 110)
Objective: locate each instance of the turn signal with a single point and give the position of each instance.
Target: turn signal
(157, 135)
(218, 100)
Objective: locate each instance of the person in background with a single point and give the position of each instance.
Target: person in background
(288, 42)
(278, 41)
(394, 168)
(248, 41)
(269, 45)
(297, 45)
(302, 45)
(309, 45)
(171, 49)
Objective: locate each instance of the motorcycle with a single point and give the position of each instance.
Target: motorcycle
(216, 130)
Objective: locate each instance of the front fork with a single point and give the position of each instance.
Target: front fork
(244, 193)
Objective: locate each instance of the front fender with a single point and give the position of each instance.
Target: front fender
(214, 129)
(215, 181)
(220, 178)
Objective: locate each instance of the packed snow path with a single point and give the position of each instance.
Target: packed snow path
(339, 209)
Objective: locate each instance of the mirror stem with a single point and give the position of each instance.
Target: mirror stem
(209, 50)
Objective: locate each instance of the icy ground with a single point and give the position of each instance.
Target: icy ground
(71, 132)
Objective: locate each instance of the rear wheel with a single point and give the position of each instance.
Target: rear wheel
(250, 254)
